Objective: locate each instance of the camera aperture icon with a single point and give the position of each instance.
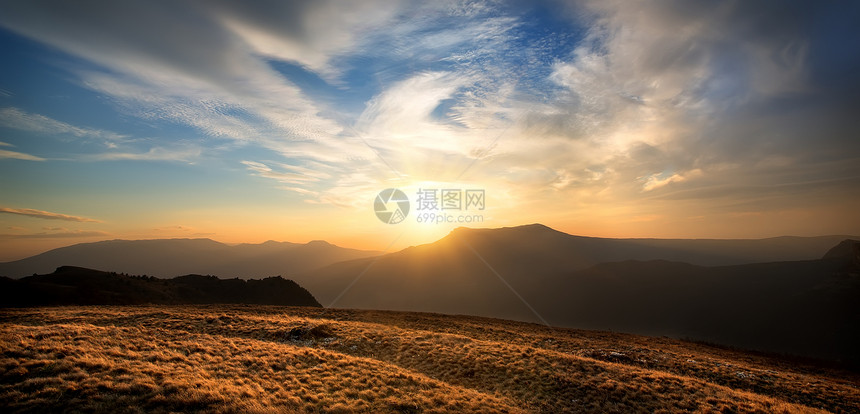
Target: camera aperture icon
(391, 206)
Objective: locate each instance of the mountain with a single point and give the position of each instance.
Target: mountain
(70, 285)
(654, 287)
(529, 257)
(169, 257)
(848, 251)
(537, 240)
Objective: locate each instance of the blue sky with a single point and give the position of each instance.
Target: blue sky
(249, 121)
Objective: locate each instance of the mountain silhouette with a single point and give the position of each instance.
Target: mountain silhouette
(170, 257)
(847, 251)
(70, 285)
(653, 287)
(462, 264)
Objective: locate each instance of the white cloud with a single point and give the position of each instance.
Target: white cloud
(18, 119)
(153, 154)
(655, 181)
(19, 156)
(29, 212)
(56, 235)
(291, 174)
(200, 74)
(309, 33)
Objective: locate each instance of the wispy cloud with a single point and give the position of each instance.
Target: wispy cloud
(19, 156)
(18, 119)
(29, 212)
(153, 154)
(56, 235)
(655, 181)
(311, 33)
(216, 78)
(291, 174)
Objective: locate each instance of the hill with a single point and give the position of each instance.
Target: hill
(277, 359)
(70, 285)
(170, 257)
(536, 274)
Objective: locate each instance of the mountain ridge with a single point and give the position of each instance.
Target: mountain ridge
(167, 257)
(72, 285)
(640, 288)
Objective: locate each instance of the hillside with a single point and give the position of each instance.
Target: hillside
(531, 256)
(265, 359)
(805, 308)
(70, 285)
(170, 257)
(535, 274)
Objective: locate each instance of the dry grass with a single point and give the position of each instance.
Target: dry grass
(265, 359)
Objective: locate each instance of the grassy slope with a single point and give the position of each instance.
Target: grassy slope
(261, 358)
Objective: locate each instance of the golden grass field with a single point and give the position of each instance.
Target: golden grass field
(228, 358)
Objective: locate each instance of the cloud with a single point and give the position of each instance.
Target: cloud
(16, 155)
(199, 74)
(56, 235)
(18, 119)
(655, 181)
(708, 90)
(153, 154)
(29, 212)
(307, 32)
(673, 74)
(215, 75)
(19, 156)
(291, 175)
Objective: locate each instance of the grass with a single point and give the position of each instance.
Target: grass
(226, 358)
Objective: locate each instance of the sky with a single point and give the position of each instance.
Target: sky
(247, 121)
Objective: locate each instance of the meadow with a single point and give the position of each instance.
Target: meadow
(254, 358)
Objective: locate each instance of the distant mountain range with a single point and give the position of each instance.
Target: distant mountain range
(70, 285)
(514, 247)
(171, 257)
